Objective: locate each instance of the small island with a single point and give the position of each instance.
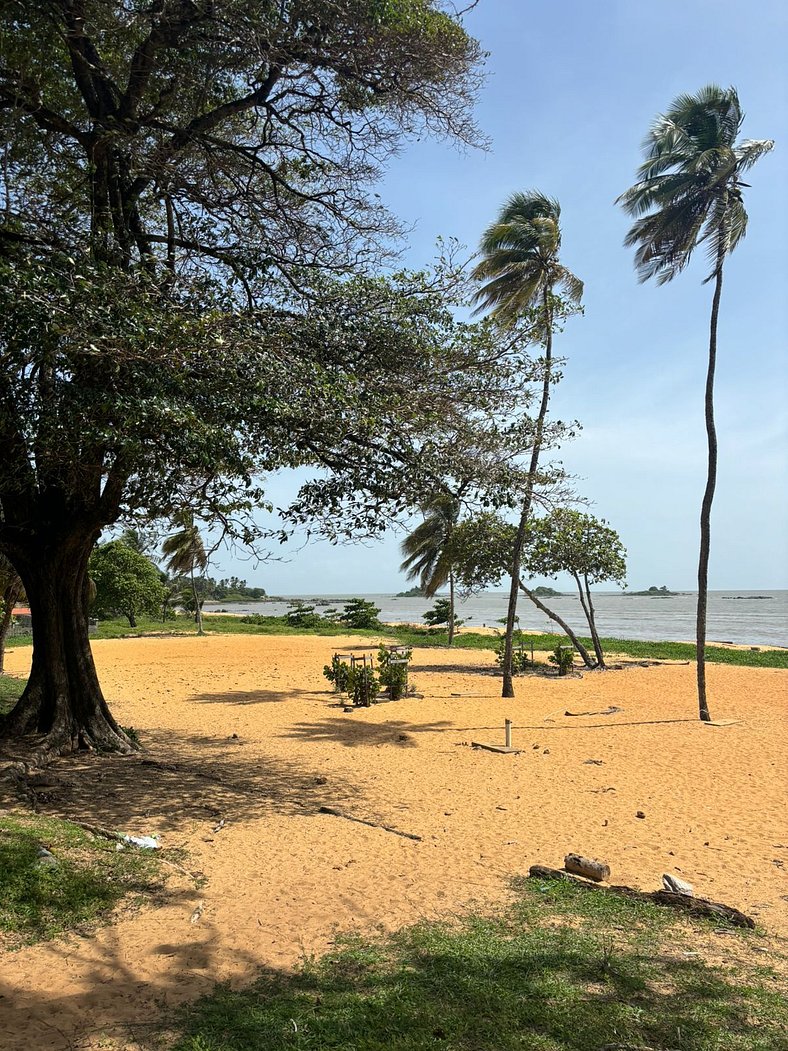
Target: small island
(654, 592)
(416, 592)
(545, 592)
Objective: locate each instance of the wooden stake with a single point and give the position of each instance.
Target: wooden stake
(508, 731)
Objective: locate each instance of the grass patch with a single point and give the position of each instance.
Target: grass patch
(558, 971)
(38, 902)
(10, 692)
(219, 624)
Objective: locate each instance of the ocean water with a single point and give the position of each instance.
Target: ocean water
(757, 618)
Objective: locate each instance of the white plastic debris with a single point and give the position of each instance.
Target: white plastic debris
(148, 842)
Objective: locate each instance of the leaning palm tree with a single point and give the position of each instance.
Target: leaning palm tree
(689, 192)
(427, 550)
(520, 271)
(184, 552)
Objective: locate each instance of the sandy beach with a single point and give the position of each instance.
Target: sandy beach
(244, 729)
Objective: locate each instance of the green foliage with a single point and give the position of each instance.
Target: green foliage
(302, 616)
(363, 685)
(41, 901)
(482, 549)
(577, 543)
(563, 658)
(338, 674)
(360, 613)
(520, 265)
(126, 582)
(556, 970)
(427, 550)
(521, 659)
(393, 670)
(689, 188)
(441, 614)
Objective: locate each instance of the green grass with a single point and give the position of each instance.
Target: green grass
(91, 877)
(561, 970)
(10, 692)
(233, 625)
(219, 624)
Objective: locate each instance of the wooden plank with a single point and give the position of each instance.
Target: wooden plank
(496, 748)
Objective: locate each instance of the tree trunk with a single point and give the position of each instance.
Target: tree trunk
(578, 645)
(62, 701)
(197, 607)
(132, 620)
(588, 609)
(507, 689)
(451, 607)
(708, 497)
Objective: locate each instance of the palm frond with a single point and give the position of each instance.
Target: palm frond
(688, 188)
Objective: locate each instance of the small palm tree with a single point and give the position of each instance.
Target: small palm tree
(185, 552)
(520, 270)
(689, 192)
(427, 550)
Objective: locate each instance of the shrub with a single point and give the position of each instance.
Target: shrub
(358, 613)
(393, 670)
(302, 616)
(563, 657)
(337, 673)
(362, 685)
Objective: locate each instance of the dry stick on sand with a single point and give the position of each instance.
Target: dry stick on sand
(371, 824)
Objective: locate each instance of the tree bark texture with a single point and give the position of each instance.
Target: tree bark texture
(708, 497)
(62, 701)
(507, 689)
(588, 608)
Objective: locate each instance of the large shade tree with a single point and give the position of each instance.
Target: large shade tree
(520, 270)
(689, 193)
(163, 164)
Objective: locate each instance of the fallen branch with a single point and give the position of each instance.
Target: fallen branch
(694, 906)
(371, 824)
(607, 711)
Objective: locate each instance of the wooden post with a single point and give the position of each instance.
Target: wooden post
(508, 731)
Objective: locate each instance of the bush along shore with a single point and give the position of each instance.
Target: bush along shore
(259, 624)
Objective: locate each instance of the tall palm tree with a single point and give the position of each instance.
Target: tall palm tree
(185, 552)
(688, 193)
(427, 550)
(520, 270)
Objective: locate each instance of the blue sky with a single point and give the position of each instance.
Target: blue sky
(572, 88)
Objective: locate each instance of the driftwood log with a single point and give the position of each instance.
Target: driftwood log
(694, 906)
(588, 867)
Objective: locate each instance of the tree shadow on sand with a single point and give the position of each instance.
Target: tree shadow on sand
(354, 733)
(180, 777)
(112, 1003)
(257, 696)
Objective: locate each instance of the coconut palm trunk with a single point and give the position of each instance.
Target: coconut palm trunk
(507, 689)
(708, 497)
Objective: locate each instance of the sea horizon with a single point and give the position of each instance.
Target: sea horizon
(756, 616)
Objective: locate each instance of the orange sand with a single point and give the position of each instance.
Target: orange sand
(281, 878)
